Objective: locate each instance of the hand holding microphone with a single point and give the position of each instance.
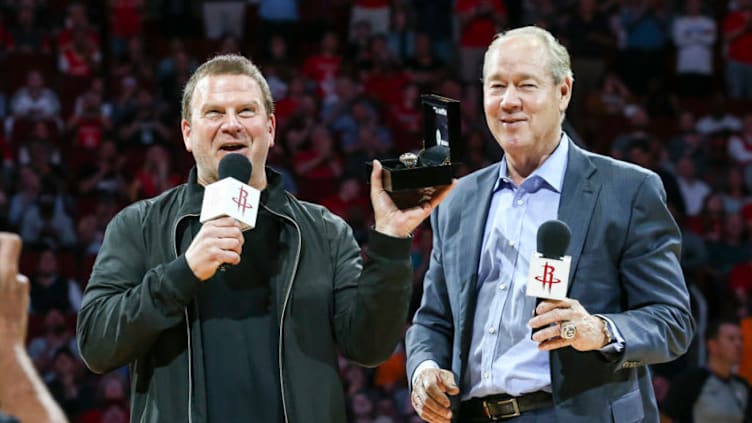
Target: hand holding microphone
(559, 321)
(229, 207)
(218, 242)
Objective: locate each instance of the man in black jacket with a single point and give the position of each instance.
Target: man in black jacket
(257, 342)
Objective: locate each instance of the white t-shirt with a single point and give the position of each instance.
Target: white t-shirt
(693, 193)
(694, 37)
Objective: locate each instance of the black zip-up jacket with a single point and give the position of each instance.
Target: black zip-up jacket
(139, 308)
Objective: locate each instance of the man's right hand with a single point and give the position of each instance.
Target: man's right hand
(429, 396)
(219, 241)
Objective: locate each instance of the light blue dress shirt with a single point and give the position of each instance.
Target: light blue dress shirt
(503, 358)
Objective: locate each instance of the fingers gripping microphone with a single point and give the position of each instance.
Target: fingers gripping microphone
(231, 195)
(548, 277)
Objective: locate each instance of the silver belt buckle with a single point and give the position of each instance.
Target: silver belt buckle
(494, 417)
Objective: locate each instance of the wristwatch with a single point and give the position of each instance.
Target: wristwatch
(606, 328)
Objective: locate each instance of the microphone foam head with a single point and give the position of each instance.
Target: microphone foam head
(553, 239)
(236, 166)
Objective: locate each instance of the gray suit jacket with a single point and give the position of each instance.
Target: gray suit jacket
(625, 265)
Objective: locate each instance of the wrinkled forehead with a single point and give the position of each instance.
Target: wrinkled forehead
(517, 54)
(226, 88)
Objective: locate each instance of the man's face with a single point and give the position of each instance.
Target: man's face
(728, 344)
(523, 105)
(227, 116)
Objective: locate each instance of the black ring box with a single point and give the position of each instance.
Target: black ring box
(409, 186)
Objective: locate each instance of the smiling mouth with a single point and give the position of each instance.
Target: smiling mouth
(232, 147)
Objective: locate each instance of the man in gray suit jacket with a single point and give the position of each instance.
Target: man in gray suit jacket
(471, 357)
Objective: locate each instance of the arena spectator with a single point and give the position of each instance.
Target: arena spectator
(693, 189)
(47, 223)
(712, 393)
(223, 17)
(737, 36)
(77, 19)
(51, 290)
(27, 36)
(719, 120)
(155, 176)
(34, 101)
(740, 148)
(479, 20)
(375, 12)
(694, 35)
(587, 36)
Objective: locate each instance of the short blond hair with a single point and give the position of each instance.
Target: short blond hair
(225, 64)
(559, 63)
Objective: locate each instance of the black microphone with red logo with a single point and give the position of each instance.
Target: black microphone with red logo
(548, 277)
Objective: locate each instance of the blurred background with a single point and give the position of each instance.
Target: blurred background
(90, 100)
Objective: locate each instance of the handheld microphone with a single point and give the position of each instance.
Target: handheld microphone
(548, 277)
(230, 195)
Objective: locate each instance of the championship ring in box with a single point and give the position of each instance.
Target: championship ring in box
(411, 178)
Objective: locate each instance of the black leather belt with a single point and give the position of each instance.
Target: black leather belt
(500, 407)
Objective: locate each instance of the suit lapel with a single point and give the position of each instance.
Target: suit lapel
(578, 197)
(475, 204)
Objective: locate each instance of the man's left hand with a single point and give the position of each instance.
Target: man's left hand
(14, 292)
(392, 221)
(589, 329)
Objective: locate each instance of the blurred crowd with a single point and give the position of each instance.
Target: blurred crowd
(90, 111)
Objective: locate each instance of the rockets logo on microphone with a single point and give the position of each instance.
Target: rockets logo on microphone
(548, 277)
(242, 200)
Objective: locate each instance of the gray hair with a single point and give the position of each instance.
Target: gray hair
(559, 63)
(226, 64)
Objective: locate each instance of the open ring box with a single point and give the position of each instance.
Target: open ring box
(410, 186)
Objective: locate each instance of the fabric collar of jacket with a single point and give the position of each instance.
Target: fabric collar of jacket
(273, 196)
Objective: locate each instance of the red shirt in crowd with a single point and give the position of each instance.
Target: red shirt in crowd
(479, 31)
(322, 69)
(405, 123)
(89, 133)
(386, 86)
(126, 18)
(740, 49)
(372, 4)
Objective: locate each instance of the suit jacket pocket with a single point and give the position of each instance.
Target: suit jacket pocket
(628, 408)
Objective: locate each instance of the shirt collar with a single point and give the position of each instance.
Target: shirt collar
(551, 171)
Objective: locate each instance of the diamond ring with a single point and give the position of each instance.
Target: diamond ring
(408, 159)
(568, 330)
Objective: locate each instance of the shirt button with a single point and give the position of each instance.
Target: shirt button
(511, 243)
(487, 375)
(520, 202)
(491, 330)
(502, 286)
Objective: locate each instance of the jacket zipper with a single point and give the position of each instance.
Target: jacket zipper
(187, 326)
(284, 307)
(281, 323)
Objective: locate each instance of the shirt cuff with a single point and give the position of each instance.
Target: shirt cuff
(617, 342)
(428, 364)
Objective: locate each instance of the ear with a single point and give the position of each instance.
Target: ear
(565, 93)
(185, 128)
(271, 124)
